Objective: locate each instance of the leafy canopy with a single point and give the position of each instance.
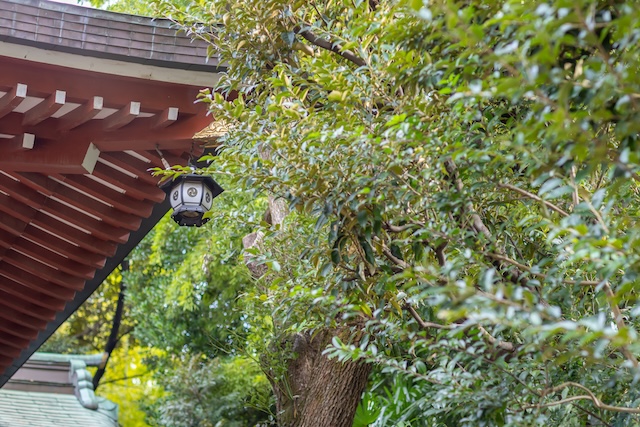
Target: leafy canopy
(463, 179)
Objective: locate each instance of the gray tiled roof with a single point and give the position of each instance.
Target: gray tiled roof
(24, 409)
(99, 33)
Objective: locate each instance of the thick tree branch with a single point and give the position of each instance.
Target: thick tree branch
(332, 47)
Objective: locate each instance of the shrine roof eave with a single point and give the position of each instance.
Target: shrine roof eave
(90, 101)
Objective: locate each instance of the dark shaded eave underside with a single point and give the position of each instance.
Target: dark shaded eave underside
(111, 264)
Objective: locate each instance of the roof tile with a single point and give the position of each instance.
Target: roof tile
(23, 409)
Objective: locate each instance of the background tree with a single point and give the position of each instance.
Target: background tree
(182, 343)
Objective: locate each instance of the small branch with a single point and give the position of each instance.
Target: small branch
(558, 402)
(534, 197)
(624, 167)
(541, 275)
(313, 3)
(476, 221)
(424, 324)
(332, 47)
(399, 228)
(599, 218)
(586, 411)
(115, 380)
(617, 316)
(397, 261)
(513, 275)
(589, 396)
(503, 345)
(576, 198)
(440, 256)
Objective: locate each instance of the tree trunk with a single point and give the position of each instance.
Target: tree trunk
(315, 391)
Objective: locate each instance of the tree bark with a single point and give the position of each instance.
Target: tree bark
(316, 391)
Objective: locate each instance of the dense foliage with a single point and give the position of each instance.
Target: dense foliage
(463, 180)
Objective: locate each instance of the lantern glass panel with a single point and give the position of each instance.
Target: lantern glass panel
(207, 200)
(192, 192)
(175, 198)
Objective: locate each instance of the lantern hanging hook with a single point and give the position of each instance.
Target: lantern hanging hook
(191, 163)
(164, 161)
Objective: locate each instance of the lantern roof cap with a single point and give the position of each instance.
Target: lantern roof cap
(168, 184)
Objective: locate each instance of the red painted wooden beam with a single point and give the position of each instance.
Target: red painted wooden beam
(9, 352)
(24, 141)
(45, 108)
(38, 312)
(21, 229)
(27, 214)
(81, 85)
(122, 117)
(11, 124)
(130, 164)
(170, 157)
(15, 330)
(72, 157)
(34, 282)
(12, 99)
(45, 255)
(108, 214)
(108, 195)
(43, 271)
(81, 114)
(19, 343)
(20, 318)
(166, 118)
(133, 187)
(18, 291)
(26, 195)
(140, 135)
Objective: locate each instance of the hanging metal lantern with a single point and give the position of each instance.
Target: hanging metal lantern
(191, 197)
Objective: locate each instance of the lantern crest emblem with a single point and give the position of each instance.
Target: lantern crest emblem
(191, 196)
